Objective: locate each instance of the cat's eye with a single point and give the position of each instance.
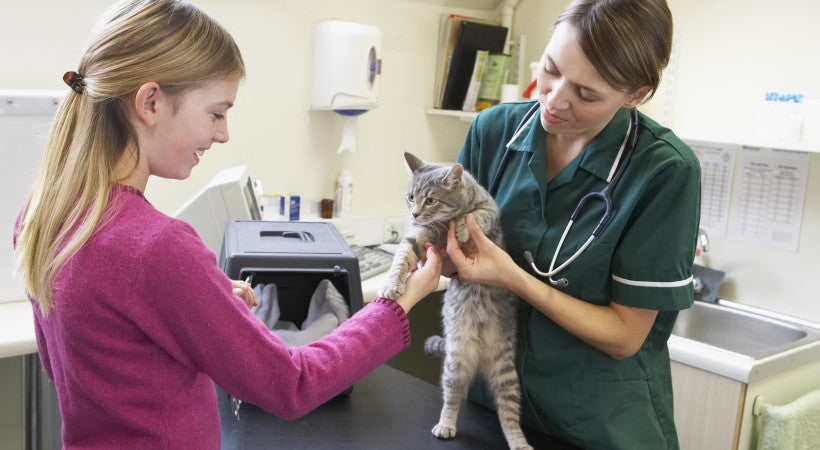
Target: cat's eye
(411, 198)
(431, 201)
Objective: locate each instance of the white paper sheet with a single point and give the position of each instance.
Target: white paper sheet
(717, 162)
(769, 191)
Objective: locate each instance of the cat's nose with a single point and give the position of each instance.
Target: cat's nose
(416, 215)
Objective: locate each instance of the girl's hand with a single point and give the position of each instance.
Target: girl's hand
(244, 291)
(423, 280)
(479, 259)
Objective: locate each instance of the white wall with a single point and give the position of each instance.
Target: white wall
(730, 53)
(291, 149)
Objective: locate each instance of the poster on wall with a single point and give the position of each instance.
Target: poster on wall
(770, 188)
(717, 162)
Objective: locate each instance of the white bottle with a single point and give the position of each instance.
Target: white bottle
(344, 194)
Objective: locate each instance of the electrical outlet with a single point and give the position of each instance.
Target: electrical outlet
(394, 228)
(360, 230)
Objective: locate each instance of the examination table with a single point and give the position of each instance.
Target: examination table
(388, 409)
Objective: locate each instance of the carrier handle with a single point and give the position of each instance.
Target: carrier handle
(301, 235)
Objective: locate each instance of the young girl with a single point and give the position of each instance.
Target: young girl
(134, 321)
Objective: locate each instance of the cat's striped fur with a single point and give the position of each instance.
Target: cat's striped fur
(479, 320)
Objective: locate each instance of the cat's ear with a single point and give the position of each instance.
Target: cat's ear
(413, 162)
(456, 173)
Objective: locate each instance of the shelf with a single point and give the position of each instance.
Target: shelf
(798, 146)
(488, 5)
(466, 116)
(751, 141)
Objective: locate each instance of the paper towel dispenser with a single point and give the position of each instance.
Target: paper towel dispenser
(346, 66)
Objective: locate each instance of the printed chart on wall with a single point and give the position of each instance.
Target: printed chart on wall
(769, 190)
(717, 162)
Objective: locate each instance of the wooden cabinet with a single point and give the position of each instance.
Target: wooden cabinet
(12, 403)
(708, 408)
(716, 412)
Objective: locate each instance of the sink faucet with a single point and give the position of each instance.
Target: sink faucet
(703, 241)
(702, 247)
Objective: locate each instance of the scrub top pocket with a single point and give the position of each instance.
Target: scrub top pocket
(613, 415)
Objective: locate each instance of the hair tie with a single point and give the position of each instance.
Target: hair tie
(75, 81)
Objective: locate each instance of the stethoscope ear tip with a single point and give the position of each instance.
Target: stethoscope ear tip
(563, 282)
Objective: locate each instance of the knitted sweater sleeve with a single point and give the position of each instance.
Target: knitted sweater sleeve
(187, 307)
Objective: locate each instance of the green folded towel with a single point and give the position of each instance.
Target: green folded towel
(795, 426)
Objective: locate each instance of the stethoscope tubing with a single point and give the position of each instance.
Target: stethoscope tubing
(605, 195)
(502, 166)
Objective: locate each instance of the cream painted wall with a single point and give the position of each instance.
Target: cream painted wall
(729, 53)
(290, 148)
(293, 149)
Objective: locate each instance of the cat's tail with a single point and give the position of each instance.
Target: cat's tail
(434, 346)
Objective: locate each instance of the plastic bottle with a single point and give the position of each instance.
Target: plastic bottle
(344, 194)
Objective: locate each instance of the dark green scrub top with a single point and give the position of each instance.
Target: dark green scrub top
(643, 258)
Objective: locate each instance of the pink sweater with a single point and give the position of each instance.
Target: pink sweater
(145, 322)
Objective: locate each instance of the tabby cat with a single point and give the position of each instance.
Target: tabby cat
(479, 320)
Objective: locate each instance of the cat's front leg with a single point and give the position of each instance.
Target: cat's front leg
(403, 262)
(484, 217)
(462, 232)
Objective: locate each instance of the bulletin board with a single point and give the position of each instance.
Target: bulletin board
(25, 119)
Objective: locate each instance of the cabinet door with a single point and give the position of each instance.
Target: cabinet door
(707, 408)
(12, 403)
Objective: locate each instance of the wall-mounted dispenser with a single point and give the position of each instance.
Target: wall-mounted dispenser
(346, 72)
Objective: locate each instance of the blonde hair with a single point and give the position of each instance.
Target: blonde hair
(170, 42)
(627, 41)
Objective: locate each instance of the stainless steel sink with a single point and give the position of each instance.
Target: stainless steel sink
(747, 333)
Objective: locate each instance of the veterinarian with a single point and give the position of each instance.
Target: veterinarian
(592, 354)
(134, 321)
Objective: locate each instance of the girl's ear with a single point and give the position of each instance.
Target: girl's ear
(636, 98)
(146, 103)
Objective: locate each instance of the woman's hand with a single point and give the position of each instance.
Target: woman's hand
(448, 269)
(244, 291)
(479, 259)
(423, 280)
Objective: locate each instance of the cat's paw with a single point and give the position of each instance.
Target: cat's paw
(443, 431)
(517, 441)
(392, 291)
(462, 232)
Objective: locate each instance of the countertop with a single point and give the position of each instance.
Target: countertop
(17, 338)
(16, 329)
(742, 367)
(386, 409)
(736, 366)
(17, 326)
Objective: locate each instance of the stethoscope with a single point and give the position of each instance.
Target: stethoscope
(604, 195)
